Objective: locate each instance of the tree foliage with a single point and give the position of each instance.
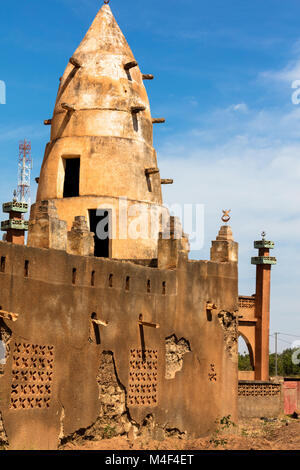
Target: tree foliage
(244, 362)
(286, 363)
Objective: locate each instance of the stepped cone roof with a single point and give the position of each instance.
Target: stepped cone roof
(102, 117)
(102, 83)
(103, 36)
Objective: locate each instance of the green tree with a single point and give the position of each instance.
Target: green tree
(285, 365)
(244, 362)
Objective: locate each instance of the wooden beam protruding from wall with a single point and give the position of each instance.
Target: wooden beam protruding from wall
(100, 322)
(130, 65)
(151, 171)
(68, 107)
(210, 306)
(141, 322)
(48, 122)
(148, 76)
(137, 109)
(75, 62)
(158, 120)
(167, 181)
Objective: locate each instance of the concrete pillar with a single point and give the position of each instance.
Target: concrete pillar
(16, 225)
(263, 264)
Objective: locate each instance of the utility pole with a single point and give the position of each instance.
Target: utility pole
(276, 354)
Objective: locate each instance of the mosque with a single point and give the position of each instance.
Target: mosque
(116, 330)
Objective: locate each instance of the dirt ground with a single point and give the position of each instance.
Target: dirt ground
(255, 434)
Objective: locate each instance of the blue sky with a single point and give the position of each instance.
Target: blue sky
(223, 75)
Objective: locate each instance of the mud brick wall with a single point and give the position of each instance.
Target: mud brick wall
(259, 399)
(56, 381)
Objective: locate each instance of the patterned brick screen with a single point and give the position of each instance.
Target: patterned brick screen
(143, 377)
(259, 390)
(32, 375)
(246, 303)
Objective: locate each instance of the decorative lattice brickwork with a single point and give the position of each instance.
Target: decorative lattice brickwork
(259, 390)
(143, 377)
(246, 303)
(212, 375)
(32, 375)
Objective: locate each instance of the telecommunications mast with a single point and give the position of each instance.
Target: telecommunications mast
(24, 171)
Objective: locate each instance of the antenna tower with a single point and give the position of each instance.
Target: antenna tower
(24, 170)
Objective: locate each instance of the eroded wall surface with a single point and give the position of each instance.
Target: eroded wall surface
(66, 374)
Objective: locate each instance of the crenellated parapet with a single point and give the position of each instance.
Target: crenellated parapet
(46, 230)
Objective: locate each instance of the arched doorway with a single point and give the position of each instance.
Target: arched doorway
(246, 358)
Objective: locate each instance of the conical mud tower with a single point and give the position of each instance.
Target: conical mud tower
(101, 145)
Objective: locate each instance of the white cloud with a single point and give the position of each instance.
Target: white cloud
(241, 107)
(289, 73)
(261, 186)
(252, 166)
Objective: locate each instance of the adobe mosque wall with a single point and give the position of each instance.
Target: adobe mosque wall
(183, 374)
(140, 339)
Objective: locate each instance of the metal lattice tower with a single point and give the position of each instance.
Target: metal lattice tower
(24, 171)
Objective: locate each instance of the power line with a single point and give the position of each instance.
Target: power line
(287, 334)
(283, 341)
(279, 339)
